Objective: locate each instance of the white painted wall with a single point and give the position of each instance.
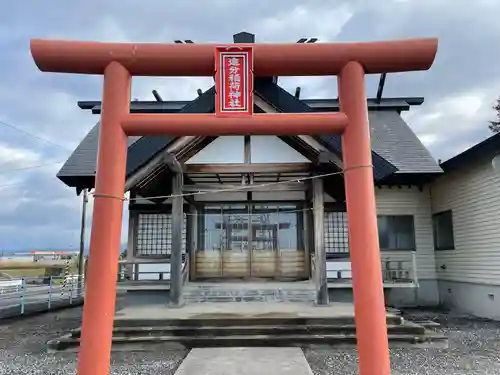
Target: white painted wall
(473, 195)
(223, 150)
(271, 149)
(263, 149)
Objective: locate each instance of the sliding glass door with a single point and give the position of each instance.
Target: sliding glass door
(253, 240)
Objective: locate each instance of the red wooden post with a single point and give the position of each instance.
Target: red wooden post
(100, 296)
(371, 325)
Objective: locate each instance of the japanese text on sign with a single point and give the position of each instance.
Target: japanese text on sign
(234, 81)
(235, 96)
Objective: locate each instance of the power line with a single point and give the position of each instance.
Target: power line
(14, 184)
(22, 169)
(32, 135)
(232, 189)
(31, 167)
(35, 137)
(242, 187)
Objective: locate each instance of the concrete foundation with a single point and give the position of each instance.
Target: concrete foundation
(426, 294)
(269, 292)
(475, 299)
(228, 310)
(139, 298)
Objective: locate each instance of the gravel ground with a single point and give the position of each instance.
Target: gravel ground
(474, 349)
(23, 349)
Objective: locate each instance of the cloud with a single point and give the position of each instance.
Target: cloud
(320, 20)
(39, 211)
(456, 122)
(18, 157)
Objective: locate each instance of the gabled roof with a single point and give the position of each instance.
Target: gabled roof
(393, 140)
(396, 149)
(287, 103)
(79, 170)
(489, 146)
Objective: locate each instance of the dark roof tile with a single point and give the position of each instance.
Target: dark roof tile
(82, 162)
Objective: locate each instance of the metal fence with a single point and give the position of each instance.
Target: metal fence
(20, 296)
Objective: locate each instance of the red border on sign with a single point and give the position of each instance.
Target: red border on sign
(221, 80)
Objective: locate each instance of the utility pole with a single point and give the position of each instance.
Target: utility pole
(82, 242)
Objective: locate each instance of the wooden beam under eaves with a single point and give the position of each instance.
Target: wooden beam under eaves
(247, 168)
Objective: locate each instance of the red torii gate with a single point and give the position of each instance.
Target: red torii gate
(118, 62)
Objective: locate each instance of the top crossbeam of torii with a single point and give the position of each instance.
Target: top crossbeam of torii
(308, 59)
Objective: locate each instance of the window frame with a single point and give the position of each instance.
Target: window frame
(413, 237)
(435, 217)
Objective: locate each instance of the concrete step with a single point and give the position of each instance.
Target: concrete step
(314, 329)
(230, 320)
(142, 343)
(258, 331)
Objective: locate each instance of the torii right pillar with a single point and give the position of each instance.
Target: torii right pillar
(370, 315)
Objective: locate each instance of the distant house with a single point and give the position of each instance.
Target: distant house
(438, 224)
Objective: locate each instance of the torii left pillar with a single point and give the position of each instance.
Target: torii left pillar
(107, 223)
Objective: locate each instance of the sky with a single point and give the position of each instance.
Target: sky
(40, 123)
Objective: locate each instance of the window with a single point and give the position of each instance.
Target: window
(336, 232)
(154, 235)
(443, 231)
(396, 232)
